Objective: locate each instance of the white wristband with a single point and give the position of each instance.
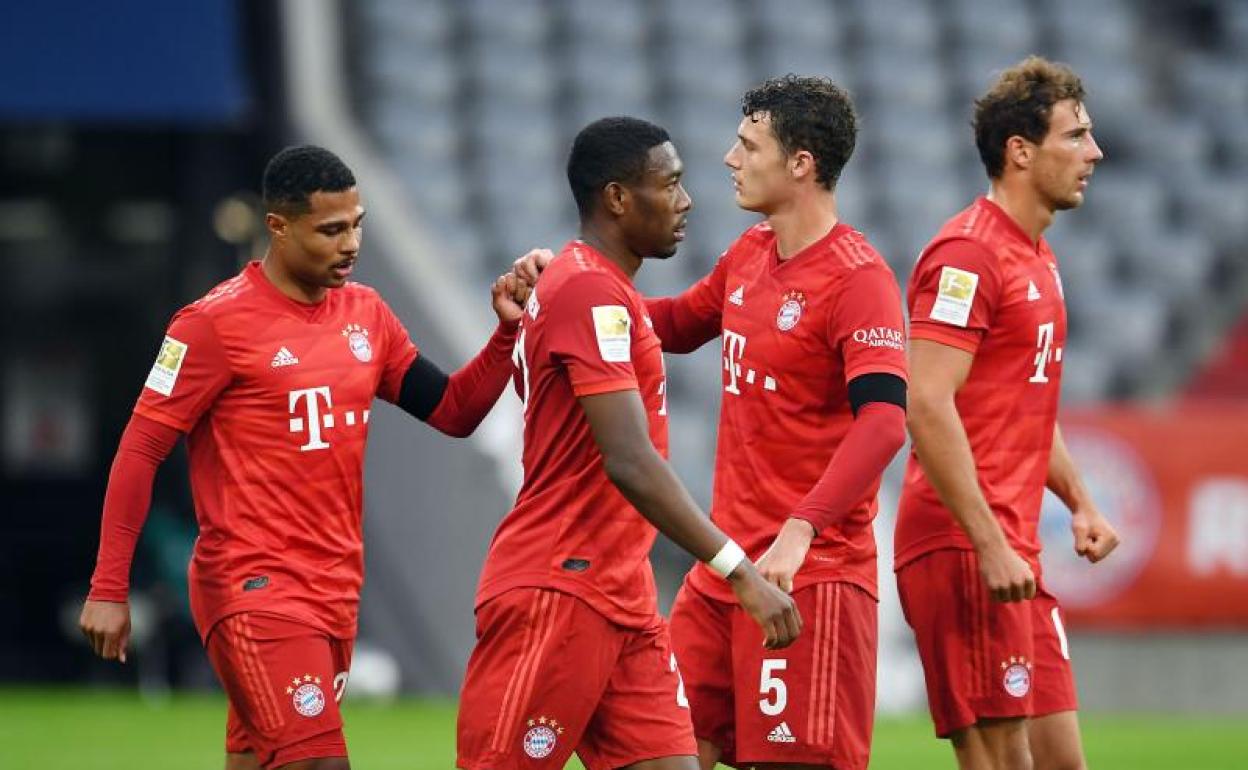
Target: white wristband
(727, 559)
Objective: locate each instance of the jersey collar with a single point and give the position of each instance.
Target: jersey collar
(598, 258)
(838, 230)
(255, 273)
(1013, 228)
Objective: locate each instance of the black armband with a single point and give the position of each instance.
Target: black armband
(423, 387)
(886, 388)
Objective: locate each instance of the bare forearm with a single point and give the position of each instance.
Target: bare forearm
(1063, 479)
(941, 445)
(649, 483)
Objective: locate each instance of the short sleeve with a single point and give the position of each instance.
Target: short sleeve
(190, 371)
(954, 296)
(867, 325)
(589, 331)
(400, 353)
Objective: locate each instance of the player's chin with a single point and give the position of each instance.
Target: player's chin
(747, 203)
(332, 279)
(338, 273)
(666, 252)
(1072, 201)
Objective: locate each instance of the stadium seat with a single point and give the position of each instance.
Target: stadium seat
(508, 84)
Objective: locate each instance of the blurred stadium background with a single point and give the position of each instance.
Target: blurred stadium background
(133, 133)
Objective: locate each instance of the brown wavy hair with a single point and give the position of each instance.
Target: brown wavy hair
(1020, 103)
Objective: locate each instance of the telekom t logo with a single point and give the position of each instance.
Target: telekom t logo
(734, 353)
(734, 348)
(310, 411)
(1045, 352)
(315, 421)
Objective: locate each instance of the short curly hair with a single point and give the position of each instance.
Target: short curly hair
(812, 114)
(1020, 103)
(293, 174)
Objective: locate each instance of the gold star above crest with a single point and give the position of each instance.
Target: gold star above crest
(532, 722)
(541, 720)
(307, 677)
(290, 690)
(296, 681)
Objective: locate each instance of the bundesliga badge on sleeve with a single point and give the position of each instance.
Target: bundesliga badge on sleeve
(168, 363)
(611, 327)
(955, 296)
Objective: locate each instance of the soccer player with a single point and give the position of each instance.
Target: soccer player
(271, 377)
(813, 409)
(987, 329)
(572, 653)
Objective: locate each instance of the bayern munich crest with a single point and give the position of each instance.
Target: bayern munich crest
(541, 737)
(306, 694)
(357, 340)
(1016, 676)
(790, 310)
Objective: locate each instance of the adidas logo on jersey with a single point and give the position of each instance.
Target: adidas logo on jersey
(781, 734)
(1033, 293)
(284, 357)
(738, 297)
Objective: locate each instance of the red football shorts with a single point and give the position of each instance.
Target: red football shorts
(811, 703)
(550, 676)
(284, 680)
(983, 658)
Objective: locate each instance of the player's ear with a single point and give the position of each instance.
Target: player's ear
(615, 198)
(276, 224)
(801, 164)
(1019, 151)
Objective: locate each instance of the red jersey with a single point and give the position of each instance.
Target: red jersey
(585, 331)
(274, 396)
(982, 286)
(794, 333)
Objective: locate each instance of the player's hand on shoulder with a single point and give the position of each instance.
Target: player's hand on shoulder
(1008, 575)
(774, 610)
(1095, 537)
(532, 264)
(107, 627)
(508, 295)
(780, 563)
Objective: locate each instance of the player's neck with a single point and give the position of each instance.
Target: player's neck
(1023, 205)
(611, 248)
(802, 222)
(287, 284)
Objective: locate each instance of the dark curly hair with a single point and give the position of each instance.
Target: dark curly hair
(610, 150)
(1020, 103)
(293, 174)
(812, 114)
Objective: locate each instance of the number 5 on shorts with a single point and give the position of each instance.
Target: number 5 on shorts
(767, 683)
